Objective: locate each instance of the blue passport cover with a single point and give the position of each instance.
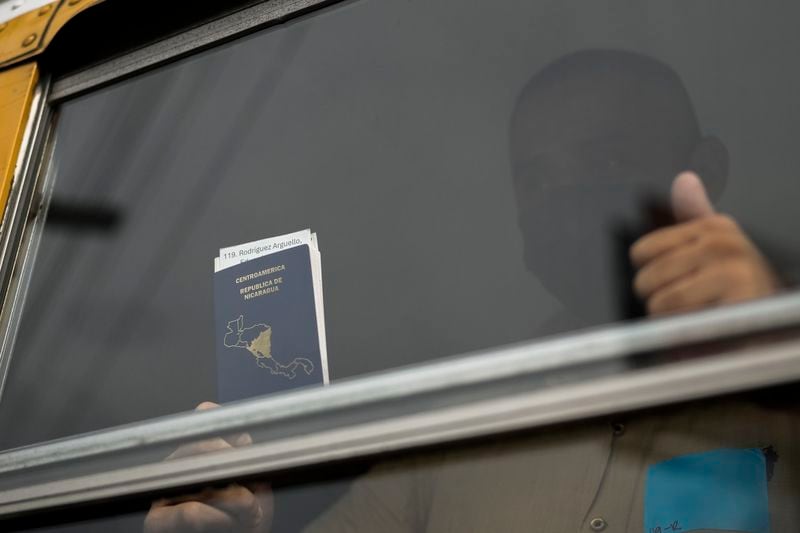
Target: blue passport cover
(266, 326)
(720, 490)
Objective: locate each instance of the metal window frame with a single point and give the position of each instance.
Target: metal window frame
(21, 226)
(214, 33)
(346, 433)
(438, 403)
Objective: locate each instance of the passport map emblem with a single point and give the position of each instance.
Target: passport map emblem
(257, 339)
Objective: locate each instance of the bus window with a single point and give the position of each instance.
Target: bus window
(476, 177)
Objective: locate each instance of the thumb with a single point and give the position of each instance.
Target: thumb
(689, 198)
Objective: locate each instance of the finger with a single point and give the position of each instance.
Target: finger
(683, 260)
(689, 198)
(662, 241)
(238, 440)
(199, 448)
(669, 267)
(239, 502)
(189, 517)
(163, 502)
(205, 406)
(701, 289)
(263, 491)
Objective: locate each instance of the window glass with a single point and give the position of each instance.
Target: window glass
(476, 176)
(729, 464)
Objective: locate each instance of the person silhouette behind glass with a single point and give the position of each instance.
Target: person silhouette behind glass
(597, 139)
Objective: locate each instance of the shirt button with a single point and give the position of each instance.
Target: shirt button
(597, 524)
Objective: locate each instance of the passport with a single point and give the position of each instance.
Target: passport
(719, 490)
(269, 320)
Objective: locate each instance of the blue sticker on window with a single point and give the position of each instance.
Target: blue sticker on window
(723, 490)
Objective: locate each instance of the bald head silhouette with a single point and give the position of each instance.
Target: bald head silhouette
(597, 138)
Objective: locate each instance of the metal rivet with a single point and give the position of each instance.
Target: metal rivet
(597, 524)
(29, 40)
(45, 10)
(618, 429)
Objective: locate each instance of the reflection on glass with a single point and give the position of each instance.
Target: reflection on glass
(727, 465)
(611, 168)
(519, 182)
(716, 465)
